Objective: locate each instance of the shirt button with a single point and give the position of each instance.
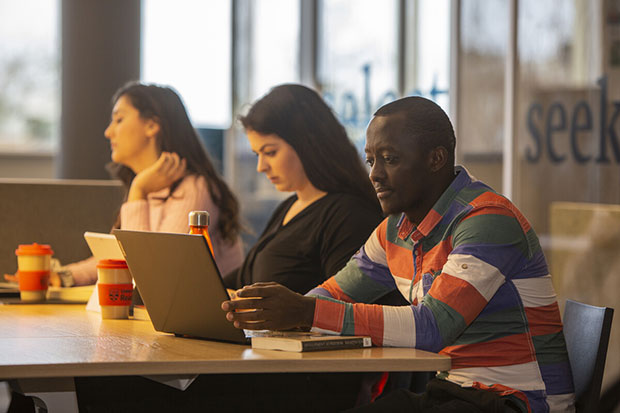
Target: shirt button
(464, 266)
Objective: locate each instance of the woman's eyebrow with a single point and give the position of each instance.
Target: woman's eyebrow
(262, 148)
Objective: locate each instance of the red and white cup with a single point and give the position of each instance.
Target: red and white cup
(114, 289)
(33, 269)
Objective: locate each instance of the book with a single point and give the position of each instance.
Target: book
(288, 341)
(77, 295)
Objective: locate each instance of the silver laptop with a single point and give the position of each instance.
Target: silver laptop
(179, 283)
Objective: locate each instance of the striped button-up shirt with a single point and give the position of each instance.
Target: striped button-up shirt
(480, 292)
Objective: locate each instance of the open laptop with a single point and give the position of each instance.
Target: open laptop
(179, 283)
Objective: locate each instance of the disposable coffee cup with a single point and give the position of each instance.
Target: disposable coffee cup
(33, 270)
(115, 289)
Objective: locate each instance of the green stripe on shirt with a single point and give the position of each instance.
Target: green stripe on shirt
(550, 348)
(448, 320)
(498, 230)
(485, 328)
(354, 283)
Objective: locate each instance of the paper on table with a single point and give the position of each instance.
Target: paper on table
(178, 381)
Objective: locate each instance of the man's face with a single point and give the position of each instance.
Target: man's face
(399, 170)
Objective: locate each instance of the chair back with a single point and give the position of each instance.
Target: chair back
(586, 330)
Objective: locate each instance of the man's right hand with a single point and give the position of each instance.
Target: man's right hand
(275, 308)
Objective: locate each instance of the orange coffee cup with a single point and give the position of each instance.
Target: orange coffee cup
(114, 288)
(33, 269)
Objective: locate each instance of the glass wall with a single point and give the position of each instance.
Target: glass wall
(482, 59)
(564, 135)
(566, 150)
(29, 75)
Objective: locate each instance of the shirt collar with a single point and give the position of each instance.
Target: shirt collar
(407, 228)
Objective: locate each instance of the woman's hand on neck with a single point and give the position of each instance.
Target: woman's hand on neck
(162, 173)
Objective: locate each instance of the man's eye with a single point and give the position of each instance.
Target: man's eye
(118, 120)
(388, 159)
(270, 153)
(369, 162)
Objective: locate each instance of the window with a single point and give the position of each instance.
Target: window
(268, 44)
(29, 75)
(429, 48)
(186, 44)
(358, 59)
(274, 45)
(482, 67)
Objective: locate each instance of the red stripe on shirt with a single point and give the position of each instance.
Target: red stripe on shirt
(400, 262)
(544, 320)
(495, 210)
(369, 321)
(435, 258)
(488, 198)
(459, 295)
(328, 315)
(335, 291)
(505, 351)
(426, 226)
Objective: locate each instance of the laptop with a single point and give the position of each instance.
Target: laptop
(179, 283)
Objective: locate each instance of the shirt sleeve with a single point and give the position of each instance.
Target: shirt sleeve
(84, 272)
(191, 194)
(488, 246)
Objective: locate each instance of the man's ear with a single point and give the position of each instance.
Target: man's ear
(437, 158)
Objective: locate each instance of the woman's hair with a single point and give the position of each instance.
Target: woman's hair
(298, 115)
(176, 134)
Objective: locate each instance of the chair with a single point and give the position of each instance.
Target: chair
(586, 330)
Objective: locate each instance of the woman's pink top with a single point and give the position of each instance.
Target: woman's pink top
(163, 213)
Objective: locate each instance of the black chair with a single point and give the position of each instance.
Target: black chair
(586, 330)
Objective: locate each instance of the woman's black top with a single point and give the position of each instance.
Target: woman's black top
(311, 247)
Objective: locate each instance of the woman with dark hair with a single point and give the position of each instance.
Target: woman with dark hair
(157, 154)
(302, 148)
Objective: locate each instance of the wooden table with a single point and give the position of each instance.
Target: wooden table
(64, 341)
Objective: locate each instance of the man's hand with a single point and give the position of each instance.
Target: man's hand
(274, 306)
(164, 172)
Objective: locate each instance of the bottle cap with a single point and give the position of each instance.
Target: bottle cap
(198, 218)
(34, 249)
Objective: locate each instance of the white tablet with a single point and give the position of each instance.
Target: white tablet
(103, 246)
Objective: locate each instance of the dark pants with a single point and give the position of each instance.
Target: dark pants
(299, 392)
(440, 396)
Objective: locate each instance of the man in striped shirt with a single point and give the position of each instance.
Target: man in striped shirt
(463, 256)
